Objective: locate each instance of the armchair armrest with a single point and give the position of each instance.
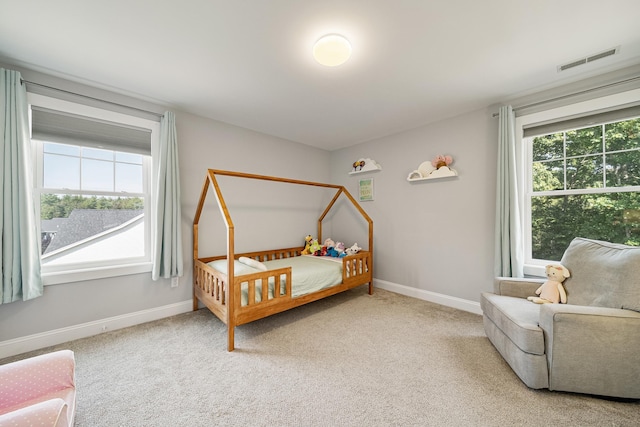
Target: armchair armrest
(516, 287)
(30, 378)
(51, 412)
(592, 349)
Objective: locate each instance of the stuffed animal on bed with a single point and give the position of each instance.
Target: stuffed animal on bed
(332, 252)
(315, 248)
(353, 249)
(552, 290)
(307, 243)
(329, 248)
(339, 248)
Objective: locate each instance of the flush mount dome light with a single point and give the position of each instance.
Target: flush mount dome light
(332, 50)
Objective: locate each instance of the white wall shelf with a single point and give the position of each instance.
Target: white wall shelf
(426, 171)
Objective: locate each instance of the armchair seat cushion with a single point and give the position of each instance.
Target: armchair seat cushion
(517, 318)
(51, 412)
(67, 395)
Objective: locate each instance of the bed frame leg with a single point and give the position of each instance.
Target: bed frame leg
(230, 333)
(370, 288)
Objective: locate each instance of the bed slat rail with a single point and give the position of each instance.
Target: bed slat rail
(272, 254)
(356, 268)
(210, 288)
(256, 280)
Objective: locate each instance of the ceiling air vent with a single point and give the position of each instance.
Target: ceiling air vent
(588, 59)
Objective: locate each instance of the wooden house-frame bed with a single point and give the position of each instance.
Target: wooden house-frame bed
(237, 299)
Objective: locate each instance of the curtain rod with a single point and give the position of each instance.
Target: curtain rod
(159, 115)
(571, 95)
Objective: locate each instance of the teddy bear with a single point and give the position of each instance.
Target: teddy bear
(552, 290)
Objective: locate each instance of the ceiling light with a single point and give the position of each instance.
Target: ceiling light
(332, 50)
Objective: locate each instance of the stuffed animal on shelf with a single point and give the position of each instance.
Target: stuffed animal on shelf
(358, 165)
(307, 244)
(440, 161)
(353, 249)
(552, 290)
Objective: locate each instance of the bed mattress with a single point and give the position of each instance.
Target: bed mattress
(308, 274)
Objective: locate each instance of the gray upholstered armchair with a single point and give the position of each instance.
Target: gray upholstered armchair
(589, 345)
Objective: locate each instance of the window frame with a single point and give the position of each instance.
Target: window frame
(77, 272)
(524, 162)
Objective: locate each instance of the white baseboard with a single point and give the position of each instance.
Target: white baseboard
(45, 339)
(58, 336)
(447, 300)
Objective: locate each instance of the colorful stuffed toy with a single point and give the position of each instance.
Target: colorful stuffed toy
(552, 290)
(332, 252)
(307, 244)
(315, 248)
(339, 247)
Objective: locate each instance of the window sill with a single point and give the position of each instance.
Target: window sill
(94, 273)
(534, 270)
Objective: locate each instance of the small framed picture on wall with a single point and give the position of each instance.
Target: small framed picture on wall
(365, 189)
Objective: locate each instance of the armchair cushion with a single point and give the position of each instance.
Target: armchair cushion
(517, 318)
(603, 274)
(52, 412)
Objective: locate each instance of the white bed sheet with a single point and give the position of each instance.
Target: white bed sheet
(308, 274)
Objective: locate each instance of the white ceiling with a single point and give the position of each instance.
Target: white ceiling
(249, 63)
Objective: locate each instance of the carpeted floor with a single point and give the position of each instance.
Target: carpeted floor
(349, 360)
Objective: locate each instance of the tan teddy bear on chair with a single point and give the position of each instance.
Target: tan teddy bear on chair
(552, 290)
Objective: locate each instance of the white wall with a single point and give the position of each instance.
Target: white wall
(433, 239)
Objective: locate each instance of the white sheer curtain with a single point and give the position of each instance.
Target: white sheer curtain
(20, 246)
(167, 251)
(509, 252)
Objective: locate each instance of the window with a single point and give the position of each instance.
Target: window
(93, 190)
(582, 178)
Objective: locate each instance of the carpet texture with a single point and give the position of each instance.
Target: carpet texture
(349, 360)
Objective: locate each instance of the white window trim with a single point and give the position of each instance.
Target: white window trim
(536, 267)
(99, 272)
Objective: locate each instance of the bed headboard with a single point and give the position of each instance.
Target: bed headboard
(211, 181)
